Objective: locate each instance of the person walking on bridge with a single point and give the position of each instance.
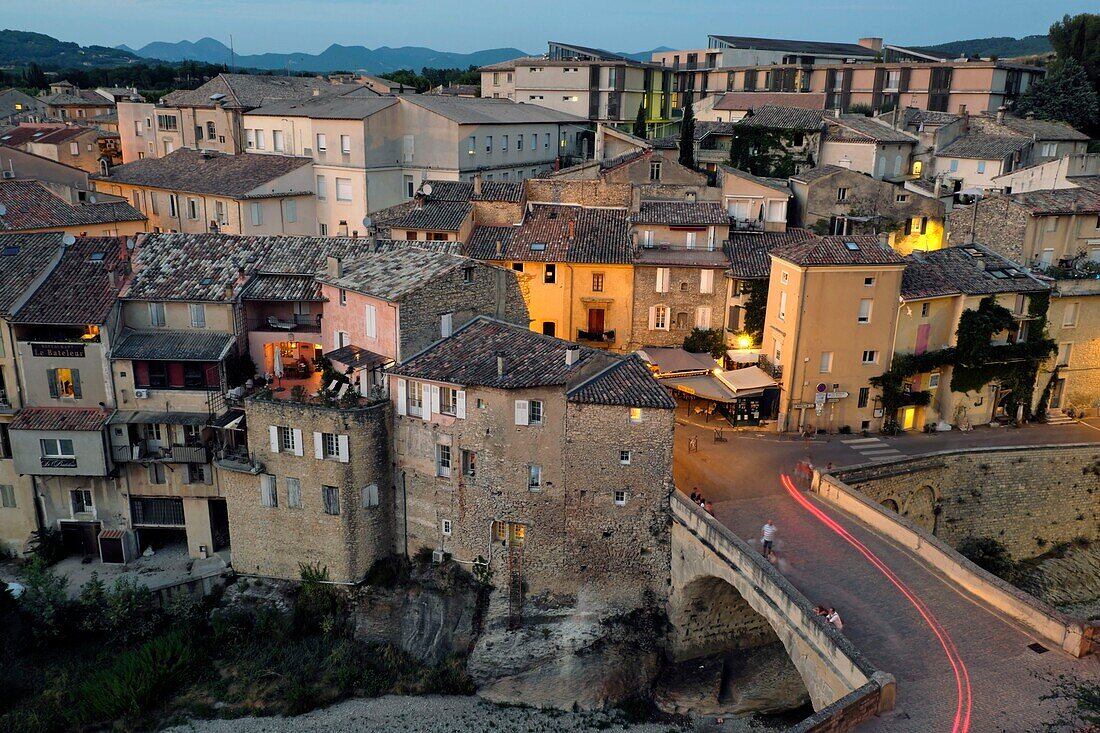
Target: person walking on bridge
(768, 537)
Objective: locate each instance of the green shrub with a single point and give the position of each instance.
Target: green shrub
(45, 599)
(318, 606)
(46, 543)
(131, 611)
(988, 554)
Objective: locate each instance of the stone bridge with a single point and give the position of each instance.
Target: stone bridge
(726, 596)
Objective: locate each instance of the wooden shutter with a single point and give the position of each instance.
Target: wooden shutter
(460, 403)
(521, 412)
(370, 496)
(318, 446)
(706, 281)
(903, 81)
(652, 317)
(401, 398)
(435, 400)
(299, 449)
(273, 433)
(55, 390)
(445, 325)
(342, 448)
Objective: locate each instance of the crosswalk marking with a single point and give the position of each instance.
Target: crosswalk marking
(873, 449)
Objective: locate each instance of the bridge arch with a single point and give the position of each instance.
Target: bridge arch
(707, 556)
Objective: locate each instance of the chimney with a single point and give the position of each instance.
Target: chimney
(1001, 114)
(335, 266)
(572, 354)
(884, 239)
(635, 199)
(938, 186)
(477, 184)
(418, 201)
(875, 44)
(979, 263)
(228, 292)
(372, 239)
(499, 248)
(123, 249)
(572, 228)
(500, 364)
(965, 118)
(114, 279)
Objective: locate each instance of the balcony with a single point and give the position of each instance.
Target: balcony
(5, 404)
(301, 322)
(604, 340)
(775, 370)
(746, 225)
(143, 452)
(238, 460)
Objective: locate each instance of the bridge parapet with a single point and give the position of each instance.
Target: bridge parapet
(839, 679)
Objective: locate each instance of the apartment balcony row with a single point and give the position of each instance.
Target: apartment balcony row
(145, 451)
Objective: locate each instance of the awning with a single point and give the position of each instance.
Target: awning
(230, 420)
(355, 357)
(750, 379)
(744, 356)
(672, 360)
(143, 417)
(174, 346)
(704, 386)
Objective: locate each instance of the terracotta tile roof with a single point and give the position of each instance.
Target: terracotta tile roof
(705, 128)
(282, 287)
(61, 419)
(1041, 129)
(860, 129)
(836, 250)
(817, 173)
(965, 269)
(464, 191)
(248, 91)
(46, 134)
(209, 173)
(680, 213)
(628, 383)
(446, 216)
(776, 184)
(469, 358)
(79, 290)
(983, 147)
(328, 107)
(749, 253)
(30, 205)
(1063, 201)
(600, 236)
(200, 267)
(396, 273)
(784, 118)
(23, 259)
(165, 345)
(756, 100)
(916, 117)
(77, 98)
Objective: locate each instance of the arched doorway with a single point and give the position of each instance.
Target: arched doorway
(891, 505)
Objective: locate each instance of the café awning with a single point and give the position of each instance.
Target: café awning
(704, 386)
(750, 380)
(672, 360)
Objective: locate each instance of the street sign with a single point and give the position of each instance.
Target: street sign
(836, 395)
(819, 399)
(803, 405)
(821, 387)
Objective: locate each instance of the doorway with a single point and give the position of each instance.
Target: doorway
(1057, 389)
(908, 418)
(219, 524)
(595, 322)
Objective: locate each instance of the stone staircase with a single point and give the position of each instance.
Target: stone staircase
(1057, 417)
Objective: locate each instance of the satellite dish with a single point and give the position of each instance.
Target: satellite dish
(427, 189)
(129, 242)
(91, 198)
(3, 209)
(68, 240)
(367, 222)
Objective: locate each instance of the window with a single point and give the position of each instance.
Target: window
(655, 171)
(597, 282)
(933, 380)
(260, 140)
(569, 98)
(290, 209)
(870, 357)
(924, 309)
(534, 477)
(286, 439)
(443, 461)
(624, 457)
(156, 314)
(198, 315)
(519, 142)
(826, 362)
(211, 131)
(277, 141)
(981, 166)
(842, 194)
(64, 383)
(504, 143)
(5, 441)
(783, 305)
(488, 143)
(192, 209)
(1049, 150)
(410, 186)
(322, 142)
(173, 205)
(220, 212)
(370, 496)
(635, 414)
(620, 497)
(330, 446)
(702, 317)
(370, 321)
(293, 493)
(551, 274)
(137, 127)
(868, 282)
(784, 278)
(1069, 315)
(345, 144)
(658, 318)
(864, 396)
(269, 496)
(343, 298)
(546, 141)
(469, 463)
(445, 527)
(706, 281)
(330, 497)
(7, 496)
(663, 276)
(865, 310)
(57, 448)
(256, 211)
(343, 189)
(74, 148)
(81, 501)
(954, 166)
(448, 400)
(534, 412)
(901, 198)
(322, 228)
(1065, 353)
(322, 189)
(415, 399)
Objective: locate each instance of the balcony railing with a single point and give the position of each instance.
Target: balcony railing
(298, 322)
(775, 370)
(141, 452)
(746, 225)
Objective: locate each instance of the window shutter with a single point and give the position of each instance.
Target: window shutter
(371, 321)
(702, 317)
(923, 227)
(435, 399)
(51, 374)
(76, 383)
(299, 449)
(401, 399)
(521, 412)
(460, 403)
(706, 281)
(370, 496)
(652, 317)
(273, 432)
(908, 225)
(445, 325)
(342, 448)
(318, 446)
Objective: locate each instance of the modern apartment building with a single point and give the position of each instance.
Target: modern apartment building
(725, 51)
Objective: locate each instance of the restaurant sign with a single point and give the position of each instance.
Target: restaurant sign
(58, 351)
(58, 462)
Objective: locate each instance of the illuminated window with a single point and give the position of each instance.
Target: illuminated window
(635, 414)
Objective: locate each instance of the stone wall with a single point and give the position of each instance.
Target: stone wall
(682, 299)
(1001, 224)
(1026, 498)
(713, 618)
(585, 193)
(498, 213)
(273, 541)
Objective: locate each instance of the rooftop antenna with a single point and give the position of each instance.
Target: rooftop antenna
(232, 56)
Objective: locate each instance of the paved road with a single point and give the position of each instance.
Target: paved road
(741, 477)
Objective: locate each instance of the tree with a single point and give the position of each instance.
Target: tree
(756, 309)
(34, 77)
(1077, 37)
(639, 121)
(706, 341)
(687, 138)
(1065, 95)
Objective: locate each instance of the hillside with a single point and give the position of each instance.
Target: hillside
(18, 48)
(334, 58)
(1000, 46)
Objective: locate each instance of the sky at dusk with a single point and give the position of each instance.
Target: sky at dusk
(469, 25)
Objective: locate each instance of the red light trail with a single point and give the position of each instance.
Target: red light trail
(958, 667)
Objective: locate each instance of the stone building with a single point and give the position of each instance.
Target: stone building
(546, 461)
(317, 490)
(848, 202)
(678, 271)
(754, 204)
(34, 206)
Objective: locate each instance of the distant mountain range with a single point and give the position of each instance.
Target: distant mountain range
(18, 48)
(333, 58)
(1000, 46)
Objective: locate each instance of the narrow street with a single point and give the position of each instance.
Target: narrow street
(1007, 679)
